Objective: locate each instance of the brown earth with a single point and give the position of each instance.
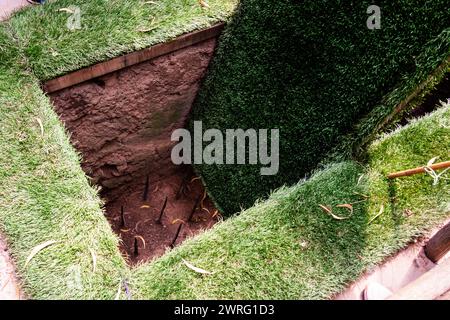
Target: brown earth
(121, 123)
(152, 225)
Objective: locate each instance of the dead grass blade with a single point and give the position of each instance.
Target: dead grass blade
(94, 260)
(41, 126)
(336, 217)
(37, 249)
(378, 214)
(195, 178)
(196, 269)
(146, 29)
(347, 206)
(202, 205)
(215, 214)
(432, 160)
(360, 179)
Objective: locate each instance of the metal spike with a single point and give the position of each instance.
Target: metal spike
(172, 245)
(162, 211)
(147, 186)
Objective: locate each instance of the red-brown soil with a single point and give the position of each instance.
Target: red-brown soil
(187, 206)
(121, 123)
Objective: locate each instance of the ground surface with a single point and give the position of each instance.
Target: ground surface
(286, 247)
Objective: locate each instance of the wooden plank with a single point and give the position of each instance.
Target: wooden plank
(410, 172)
(130, 59)
(429, 286)
(438, 246)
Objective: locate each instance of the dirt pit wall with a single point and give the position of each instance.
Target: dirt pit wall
(122, 123)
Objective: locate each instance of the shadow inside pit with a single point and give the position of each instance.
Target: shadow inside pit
(431, 102)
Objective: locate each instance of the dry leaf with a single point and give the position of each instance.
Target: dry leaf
(378, 214)
(142, 239)
(304, 245)
(195, 178)
(146, 29)
(203, 199)
(94, 260)
(145, 206)
(54, 53)
(362, 195)
(346, 206)
(430, 163)
(359, 179)
(37, 249)
(41, 126)
(68, 10)
(216, 213)
(177, 220)
(408, 212)
(326, 209)
(196, 269)
(330, 212)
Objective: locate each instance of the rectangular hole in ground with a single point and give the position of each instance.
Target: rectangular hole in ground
(122, 124)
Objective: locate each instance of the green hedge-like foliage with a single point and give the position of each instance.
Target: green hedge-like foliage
(311, 69)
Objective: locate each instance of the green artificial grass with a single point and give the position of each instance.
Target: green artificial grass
(289, 248)
(315, 71)
(44, 195)
(109, 28)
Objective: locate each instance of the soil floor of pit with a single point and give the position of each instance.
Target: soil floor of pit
(161, 214)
